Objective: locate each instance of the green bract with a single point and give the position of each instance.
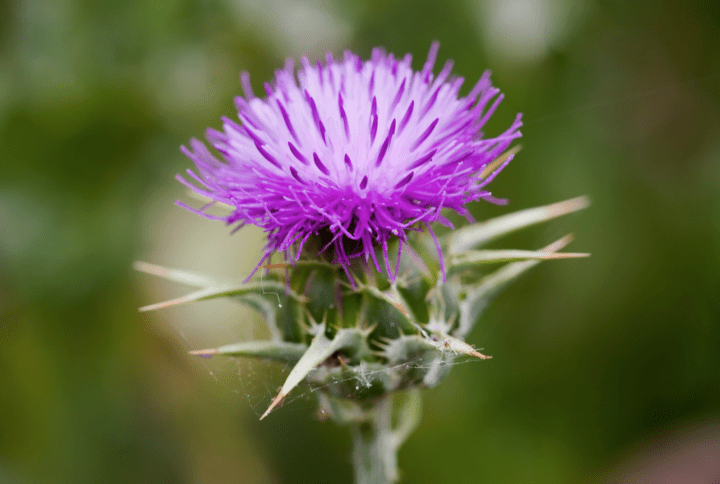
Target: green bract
(358, 343)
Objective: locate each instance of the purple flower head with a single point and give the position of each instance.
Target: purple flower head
(351, 154)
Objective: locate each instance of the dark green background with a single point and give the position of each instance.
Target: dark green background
(595, 360)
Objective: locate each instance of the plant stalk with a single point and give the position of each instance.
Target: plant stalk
(376, 440)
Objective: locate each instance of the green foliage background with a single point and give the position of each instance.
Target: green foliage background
(594, 360)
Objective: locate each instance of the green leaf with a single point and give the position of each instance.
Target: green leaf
(266, 297)
(444, 342)
(320, 349)
(271, 350)
(221, 290)
(392, 296)
(473, 258)
(478, 234)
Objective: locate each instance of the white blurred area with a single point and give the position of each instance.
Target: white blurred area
(294, 28)
(524, 31)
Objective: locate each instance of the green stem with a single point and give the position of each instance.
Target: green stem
(376, 440)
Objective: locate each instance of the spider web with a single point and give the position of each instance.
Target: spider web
(257, 382)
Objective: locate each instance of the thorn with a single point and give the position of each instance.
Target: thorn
(205, 353)
(420, 329)
(477, 354)
(149, 268)
(274, 403)
(309, 325)
(274, 266)
(347, 286)
(344, 362)
(366, 331)
(558, 244)
(304, 326)
(165, 304)
(383, 347)
(359, 283)
(564, 255)
(400, 308)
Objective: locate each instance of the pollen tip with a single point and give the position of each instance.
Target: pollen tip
(208, 352)
(320, 164)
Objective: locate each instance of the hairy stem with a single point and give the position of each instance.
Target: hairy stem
(376, 440)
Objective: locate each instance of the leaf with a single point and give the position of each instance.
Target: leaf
(221, 290)
(480, 294)
(476, 257)
(475, 235)
(444, 342)
(271, 350)
(320, 349)
(395, 299)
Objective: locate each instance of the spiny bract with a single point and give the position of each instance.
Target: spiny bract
(386, 335)
(346, 167)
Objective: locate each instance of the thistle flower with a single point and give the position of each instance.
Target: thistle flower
(352, 160)
(354, 153)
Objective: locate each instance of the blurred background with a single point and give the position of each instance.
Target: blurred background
(605, 369)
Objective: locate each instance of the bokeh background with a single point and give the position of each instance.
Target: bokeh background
(605, 369)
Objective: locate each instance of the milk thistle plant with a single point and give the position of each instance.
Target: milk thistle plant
(346, 166)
